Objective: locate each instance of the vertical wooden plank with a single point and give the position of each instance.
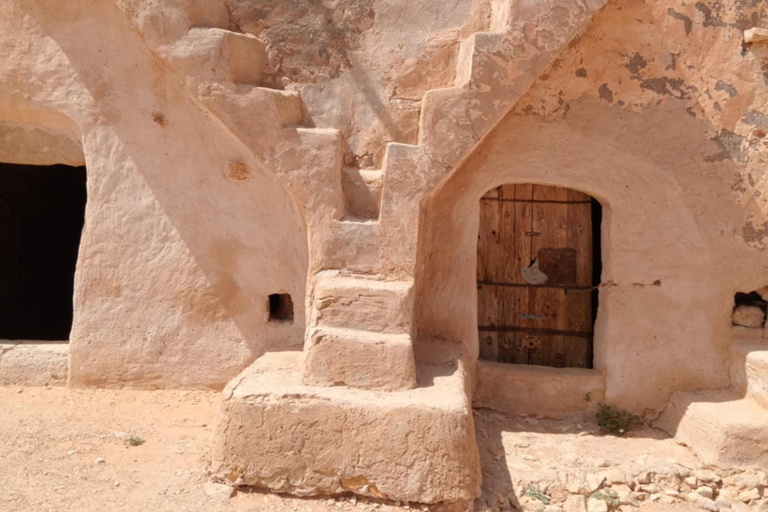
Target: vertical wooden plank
(489, 244)
(579, 237)
(489, 346)
(575, 195)
(579, 310)
(488, 305)
(546, 193)
(507, 255)
(524, 192)
(552, 221)
(521, 257)
(507, 192)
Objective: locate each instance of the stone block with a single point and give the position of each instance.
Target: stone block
(34, 364)
(218, 55)
(361, 359)
(537, 390)
(278, 434)
(365, 304)
(721, 428)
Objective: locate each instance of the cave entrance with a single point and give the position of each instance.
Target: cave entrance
(42, 211)
(538, 267)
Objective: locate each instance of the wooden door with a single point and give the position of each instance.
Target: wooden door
(535, 288)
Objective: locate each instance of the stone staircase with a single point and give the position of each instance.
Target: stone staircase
(727, 427)
(363, 224)
(377, 237)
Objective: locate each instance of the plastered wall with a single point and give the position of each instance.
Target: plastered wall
(177, 259)
(658, 118)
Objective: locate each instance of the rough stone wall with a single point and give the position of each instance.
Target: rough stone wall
(362, 66)
(658, 111)
(176, 259)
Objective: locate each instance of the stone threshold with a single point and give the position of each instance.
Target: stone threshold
(34, 363)
(540, 391)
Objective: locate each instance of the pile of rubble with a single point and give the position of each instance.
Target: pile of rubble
(612, 489)
(541, 465)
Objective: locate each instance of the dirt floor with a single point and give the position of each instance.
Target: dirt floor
(67, 449)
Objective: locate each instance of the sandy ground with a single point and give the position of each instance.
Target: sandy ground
(65, 449)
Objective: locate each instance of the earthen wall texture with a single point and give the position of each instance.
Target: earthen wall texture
(656, 108)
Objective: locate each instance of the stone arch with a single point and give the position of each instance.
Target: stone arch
(658, 262)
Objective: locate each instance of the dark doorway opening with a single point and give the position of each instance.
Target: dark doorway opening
(538, 270)
(42, 211)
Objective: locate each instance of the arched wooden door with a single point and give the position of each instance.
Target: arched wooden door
(536, 292)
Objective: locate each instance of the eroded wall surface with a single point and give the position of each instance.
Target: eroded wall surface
(177, 258)
(362, 66)
(214, 178)
(659, 112)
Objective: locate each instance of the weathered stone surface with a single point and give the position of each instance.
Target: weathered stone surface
(756, 35)
(361, 359)
(430, 105)
(720, 428)
(364, 304)
(340, 438)
(748, 316)
(749, 370)
(33, 364)
(535, 390)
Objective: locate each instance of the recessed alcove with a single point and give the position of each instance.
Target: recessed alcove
(42, 212)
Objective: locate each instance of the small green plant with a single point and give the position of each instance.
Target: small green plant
(588, 397)
(613, 420)
(609, 496)
(134, 440)
(537, 493)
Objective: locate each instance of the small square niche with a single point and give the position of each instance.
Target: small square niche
(280, 307)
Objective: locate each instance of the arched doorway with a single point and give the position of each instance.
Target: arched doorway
(538, 265)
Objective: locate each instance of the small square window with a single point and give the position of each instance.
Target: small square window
(280, 307)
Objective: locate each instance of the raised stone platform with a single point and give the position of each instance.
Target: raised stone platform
(414, 445)
(33, 363)
(721, 427)
(537, 390)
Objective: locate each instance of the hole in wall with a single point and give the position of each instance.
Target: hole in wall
(750, 309)
(42, 212)
(280, 307)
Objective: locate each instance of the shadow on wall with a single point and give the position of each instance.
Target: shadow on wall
(161, 209)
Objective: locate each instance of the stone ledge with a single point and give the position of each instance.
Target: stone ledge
(416, 445)
(721, 428)
(364, 304)
(537, 390)
(34, 364)
(362, 359)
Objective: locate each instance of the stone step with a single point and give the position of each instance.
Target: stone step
(365, 304)
(362, 191)
(480, 57)
(250, 105)
(334, 439)
(538, 391)
(218, 55)
(749, 370)
(360, 359)
(353, 245)
(721, 427)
